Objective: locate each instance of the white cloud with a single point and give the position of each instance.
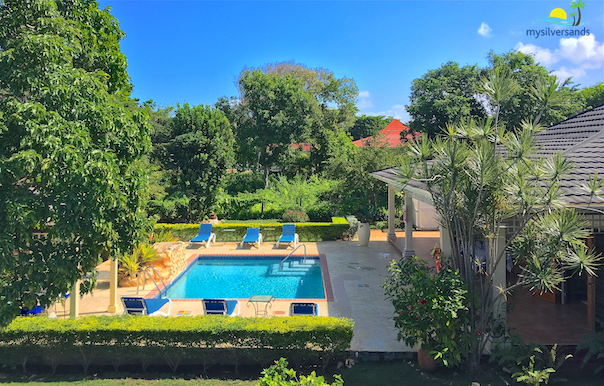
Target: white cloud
(364, 102)
(485, 30)
(585, 52)
(582, 49)
(542, 55)
(564, 73)
(396, 112)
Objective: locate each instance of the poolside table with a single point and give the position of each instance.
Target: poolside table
(228, 234)
(257, 301)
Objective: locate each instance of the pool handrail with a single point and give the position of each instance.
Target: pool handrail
(291, 253)
(146, 271)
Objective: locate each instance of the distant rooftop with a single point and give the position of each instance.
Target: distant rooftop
(390, 136)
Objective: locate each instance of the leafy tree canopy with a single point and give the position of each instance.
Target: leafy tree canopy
(593, 96)
(442, 96)
(287, 103)
(453, 94)
(70, 163)
(199, 153)
(365, 126)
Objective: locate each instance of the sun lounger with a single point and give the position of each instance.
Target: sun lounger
(135, 305)
(220, 307)
(253, 236)
(205, 235)
(309, 309)
(289, 235)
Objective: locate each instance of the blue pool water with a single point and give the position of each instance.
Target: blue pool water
(236, 278)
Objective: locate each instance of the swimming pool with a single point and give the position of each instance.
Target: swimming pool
(236, 277)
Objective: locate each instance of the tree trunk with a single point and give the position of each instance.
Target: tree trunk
(579, 21)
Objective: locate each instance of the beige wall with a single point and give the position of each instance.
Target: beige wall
(425, 216)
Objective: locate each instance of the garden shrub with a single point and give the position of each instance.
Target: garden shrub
(308, 231)
(208, 339)
(294, 215)
(279, 375)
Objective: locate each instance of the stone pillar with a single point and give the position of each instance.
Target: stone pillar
(409, 220)
(446, 247)
(74, 301)
(391, 215)
(112, 286)
(499, 276)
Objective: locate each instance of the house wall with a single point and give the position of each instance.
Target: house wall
(425, 216)
(599, 243)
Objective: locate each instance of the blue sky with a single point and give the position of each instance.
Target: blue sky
(192, 51)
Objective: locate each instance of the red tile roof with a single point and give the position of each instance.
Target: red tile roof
(390, 136)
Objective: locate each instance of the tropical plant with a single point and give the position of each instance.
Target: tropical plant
(280, 375)
(431, 309)
(594, 343)
(534, 377)
(478, 177)
(162, 236)
(133, 263)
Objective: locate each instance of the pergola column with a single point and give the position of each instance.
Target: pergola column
(409, 220)
(112, 286)
(391, 214)
(74, 301)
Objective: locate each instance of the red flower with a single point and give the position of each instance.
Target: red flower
(423, 302)
(410, 307)
(477, 332)
(416, 319)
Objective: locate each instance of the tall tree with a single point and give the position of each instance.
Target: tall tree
(593, 96)
(70, 160)
(531, 79)
(444, 96)
(287, 103)
(366, 126)
(199, 152)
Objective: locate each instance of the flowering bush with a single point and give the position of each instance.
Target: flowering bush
(294, 215)
(430, 309)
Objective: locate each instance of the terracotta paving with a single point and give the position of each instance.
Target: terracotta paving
(539, 321)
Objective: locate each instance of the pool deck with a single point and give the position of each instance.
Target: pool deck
(356, 274)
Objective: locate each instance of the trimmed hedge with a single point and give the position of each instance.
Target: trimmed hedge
(308, 231)
(199, 339)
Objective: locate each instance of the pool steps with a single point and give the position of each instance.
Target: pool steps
(293, 267)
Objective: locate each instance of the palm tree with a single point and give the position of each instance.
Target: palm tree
(578, 5)
(573, 15)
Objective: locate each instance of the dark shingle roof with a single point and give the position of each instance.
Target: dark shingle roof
(580, 139)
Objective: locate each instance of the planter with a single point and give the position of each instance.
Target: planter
(364, 232)
(426, 363)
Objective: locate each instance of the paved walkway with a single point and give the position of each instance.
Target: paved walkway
(356, 274)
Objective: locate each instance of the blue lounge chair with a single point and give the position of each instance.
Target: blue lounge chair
(289, 235)
(135, 305)
(252, 236)
(36, 311)
(205, 235)
(308, 309)
(220, 307)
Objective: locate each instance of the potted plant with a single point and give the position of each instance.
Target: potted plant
(430, 311)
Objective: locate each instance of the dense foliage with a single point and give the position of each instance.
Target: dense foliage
(209, 339)
(71, 155)
(431, 309)
(480, 175)
(452, 94)
(280, 375)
